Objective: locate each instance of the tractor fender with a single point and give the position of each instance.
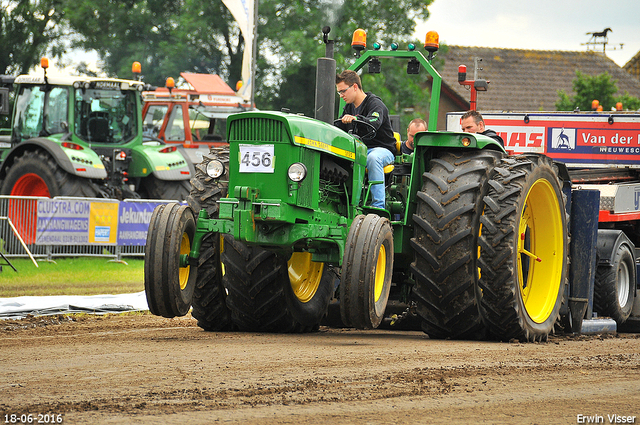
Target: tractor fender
(449, 139)
(57, 153)
(169, 166)
(190, 164)
(608, 242)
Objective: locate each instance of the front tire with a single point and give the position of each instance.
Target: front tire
(367, 269)
(614, 286)
(169, 286)
(523, 258)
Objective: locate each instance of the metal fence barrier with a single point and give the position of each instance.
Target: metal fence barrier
(21, 211)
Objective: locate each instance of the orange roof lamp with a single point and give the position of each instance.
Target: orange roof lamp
(432, 44)
(44, 63)
(359, 41)
(475, 85)
(170, 84)
(594, 104)
(136, 68)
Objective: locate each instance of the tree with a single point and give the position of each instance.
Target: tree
(167, 39)
(28, 30)
(597, 87)
(290, 40)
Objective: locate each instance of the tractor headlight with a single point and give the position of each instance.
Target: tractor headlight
(297, 172)
(215, 169)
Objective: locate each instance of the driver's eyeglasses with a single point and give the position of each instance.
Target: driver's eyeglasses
(341, 92)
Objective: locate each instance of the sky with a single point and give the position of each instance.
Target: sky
(537, 24)
(534, 24)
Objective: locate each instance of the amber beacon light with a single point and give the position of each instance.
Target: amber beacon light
(359, 40)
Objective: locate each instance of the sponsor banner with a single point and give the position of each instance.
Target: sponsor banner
(595, 141)
(521, 139)
(62, 222)
(103, 223)
(84, 222)
(133, 222)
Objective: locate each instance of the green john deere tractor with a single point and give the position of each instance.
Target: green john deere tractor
(279, 224)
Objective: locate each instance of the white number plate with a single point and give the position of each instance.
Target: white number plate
(256, 159)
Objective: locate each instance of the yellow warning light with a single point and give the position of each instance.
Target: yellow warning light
(619, 106)
(239, 85)
(44, 62)
(594, 104)
(170, 83)
(359, 39)
(136, 68)
(432, 42)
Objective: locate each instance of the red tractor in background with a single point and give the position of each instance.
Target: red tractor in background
(194, 117)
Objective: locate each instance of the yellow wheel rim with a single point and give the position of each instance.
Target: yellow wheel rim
(305, 275)
(381, 271)
(540, 251)
(185, 248)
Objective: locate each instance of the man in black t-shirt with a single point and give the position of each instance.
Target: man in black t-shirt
(368, 107)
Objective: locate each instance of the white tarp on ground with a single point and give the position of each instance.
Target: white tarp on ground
(20, 307)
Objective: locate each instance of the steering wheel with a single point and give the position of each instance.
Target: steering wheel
(360, 121)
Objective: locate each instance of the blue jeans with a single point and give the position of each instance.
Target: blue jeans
(377, 159)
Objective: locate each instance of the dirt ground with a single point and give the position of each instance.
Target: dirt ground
(130, 369)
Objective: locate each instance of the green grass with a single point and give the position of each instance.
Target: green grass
(71, 276)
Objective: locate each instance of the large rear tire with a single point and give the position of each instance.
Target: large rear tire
(614, 286)
(174, 190)
(367, 269)
(168, 286)
(523, 249)
(261, 296)
(446, 229)
(209, 298)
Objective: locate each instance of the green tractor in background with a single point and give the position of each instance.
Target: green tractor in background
(279, 224)
(82, 136)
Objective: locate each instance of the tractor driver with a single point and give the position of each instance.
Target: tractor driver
(472, 122)
(370, 108)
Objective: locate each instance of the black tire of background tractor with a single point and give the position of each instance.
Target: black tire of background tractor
(257, 280)
(206, 191)
(615, 286)
(58, 181)
(174, 190)
(540, 225)
(209, 297)
(366, 276)
(446, 229)
(168, 287)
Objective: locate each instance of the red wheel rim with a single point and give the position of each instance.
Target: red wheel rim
(30, 185)
(22, 212)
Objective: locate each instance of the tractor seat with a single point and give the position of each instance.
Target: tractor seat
(389, 168)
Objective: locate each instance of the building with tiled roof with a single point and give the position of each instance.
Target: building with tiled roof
(633, 66)
(522, 80)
